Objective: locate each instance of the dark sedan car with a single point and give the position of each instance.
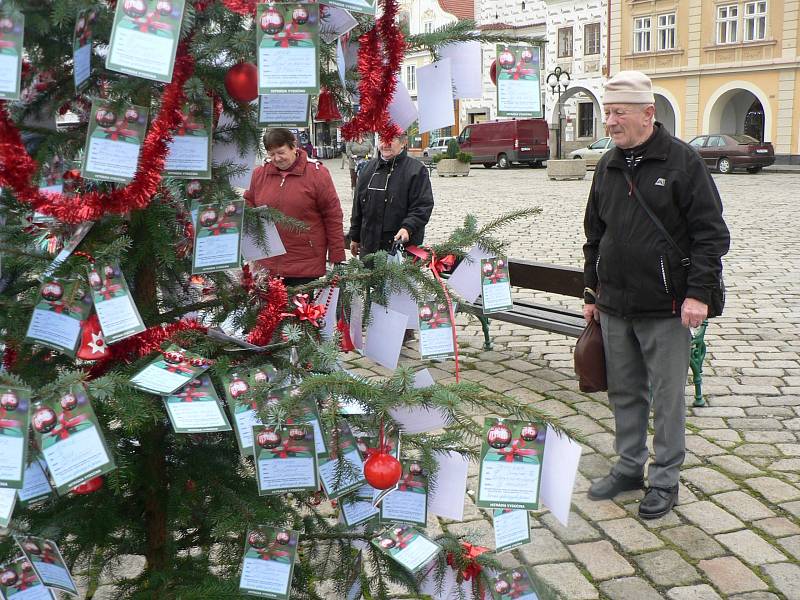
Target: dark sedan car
(738, 151)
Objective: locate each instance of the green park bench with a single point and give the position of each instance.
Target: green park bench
(566, 281)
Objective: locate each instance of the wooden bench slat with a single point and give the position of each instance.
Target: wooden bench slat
(545, 277)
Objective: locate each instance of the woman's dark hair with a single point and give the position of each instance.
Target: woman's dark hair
(277, 137)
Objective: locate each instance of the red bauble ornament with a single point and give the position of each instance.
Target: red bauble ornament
(382, 470)
(257, 539)
(8, 578)
(95, 280)
(425, 313)
(300, 15)
(131, 115)
(196, 383)
(261, 377)
(387, 543)
(269, 439)
(52, 291)
(516, 575)
(6, 25)
(231, 210)
(241, 82)
(93, 344)
(164, 7)
(134, 8)
(208, 217)
(271, 21)
(506, 59)
(9, 400)
(94, 484)
(282, 538)
(31, 547)
(105, 117)
(488, 268)
(69, 401)
(499, 436)
(194, 188)
(297, 434)
(415, 469)
(44, 419)
(501, 586)
(110, 272)
(526, 56)
(237, 387)
(529, 432)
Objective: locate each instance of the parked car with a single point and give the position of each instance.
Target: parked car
(502, 143)
(437, 147)
(727, 152)
(592, 153)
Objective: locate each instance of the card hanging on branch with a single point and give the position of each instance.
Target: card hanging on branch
(47, 562)
(366, 7)
(519, 91)
(287, 38)
(12, 30)
(435, 96)
(385, 334)
(8, 498)
(170, 371)
(435, 331)
(357, 507)
(56, 321)
(512, 528)
(408, 503)
(114, 139)
(226, 150)
(495, 285)
(15, 411)
(19, 580)
(402, 109)
(218, 237)
(196, 408)
(286, 459)
(269, 557)
(189, 152)
(82, 47)
(334, 22)
(407, 547)
(237, 388)
(73, 446)
(51, 182)
(466, 69)
(447, 498)
(116, 311)
(144, 38)
(284, 110)
(466, 277)
(35, 484)
(341, 469)
(515, 583)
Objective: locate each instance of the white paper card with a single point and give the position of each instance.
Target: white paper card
(402, 110)
(334, 22)
(357, 322)
(110, 157)
(283, 108)
(403, 302)
(435, 98)
(466, 278)
(341, 65)
(187, 153)
(82, 65)
(269, 576)
(222, 152)
(76, 455)
(512, 528)
(11, 456)
(446, 499)
(252, 250)
(8, 498)
(466, 68)
(329, 322)
(118, 315)
(385, 335)
(159, 381)
(35, 483)
(356, 510)
(58, 329)
(560, 465)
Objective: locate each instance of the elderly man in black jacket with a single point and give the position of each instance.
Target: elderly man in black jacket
(645, 291)
(393, 200)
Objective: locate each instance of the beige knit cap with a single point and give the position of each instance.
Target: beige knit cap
(629, 87)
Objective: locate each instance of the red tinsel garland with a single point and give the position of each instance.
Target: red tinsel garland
(243, 7)
(17, 168)
(379, 58)
(271, 314)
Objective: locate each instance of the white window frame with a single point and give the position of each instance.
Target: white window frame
(571, 47)
(666, 31)
(642, 32)
(427, 27)
(755, 22)
(727, 24)
(593, 26)
(411, 78)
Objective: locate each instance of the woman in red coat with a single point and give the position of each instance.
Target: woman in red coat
(301, 188)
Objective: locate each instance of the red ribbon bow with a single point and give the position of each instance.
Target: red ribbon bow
(497, 275)
(26, 580)
(521, 72)
(516, 449)
(306, 311)
(151, 23)
(119, 129)
(190, 394)
(221, 227)
(9, 423)
(408, 482)
(66, 422)
(288, 35)
(108, 290)
(271, 553)
(283, 450)
(471, 553)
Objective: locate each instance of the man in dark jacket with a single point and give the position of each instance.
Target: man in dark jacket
(638, 286)
(393, 200)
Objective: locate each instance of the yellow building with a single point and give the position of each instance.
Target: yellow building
(718, 66)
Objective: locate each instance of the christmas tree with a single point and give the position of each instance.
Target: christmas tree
(189, 500)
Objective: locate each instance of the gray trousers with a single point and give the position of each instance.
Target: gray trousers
(644, 355)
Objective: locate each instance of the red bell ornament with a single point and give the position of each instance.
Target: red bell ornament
(382, 470)
(241, 82)
(93, 344)
(326, 107)
(94, 484)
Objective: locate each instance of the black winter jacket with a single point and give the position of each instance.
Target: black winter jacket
(628, 262)
(407, 202)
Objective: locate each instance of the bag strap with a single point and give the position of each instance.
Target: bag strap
(685, 261)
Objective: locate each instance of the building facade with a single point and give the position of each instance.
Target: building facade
(718, 66)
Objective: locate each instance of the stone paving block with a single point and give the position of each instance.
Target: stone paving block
(578, 529)
(554, 408)
(718, 411)
(544, 548)
(730, 575)
(693, 592)
(769, 437)
(701, 446)
(743, 505)
(757, 450)
(630, 535)
(707, 422)
(792, 545)
(786, 578)
(601, 560)
(708, 480)
(567, 580)
(777, 527)
(629, 588)
(602, 443)
(786, 464)
(594, 466)
(792, 507)
(666, 568)
(773, 489)
(789, 449)
(722, 435)
(478, 532)
(709, 517)
(582, 424)
(754, 596)
(596, 410)
(735, 465)
(597, 510)
(751, 547)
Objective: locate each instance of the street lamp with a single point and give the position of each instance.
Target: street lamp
(558, 80)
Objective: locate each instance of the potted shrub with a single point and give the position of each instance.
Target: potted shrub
(453, 163)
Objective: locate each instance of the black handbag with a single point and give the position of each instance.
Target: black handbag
(716, 302)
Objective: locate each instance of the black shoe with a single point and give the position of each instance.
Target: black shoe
(612, 484)
(657, 502)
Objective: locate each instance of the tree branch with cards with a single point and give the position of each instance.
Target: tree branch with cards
(165, 397)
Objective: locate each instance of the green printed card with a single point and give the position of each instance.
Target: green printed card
(57, 318)
(82, 47)
(12, 29)
(15, 411)
(495, 285)
(286, 460)
(170, 371)
(196, 408)
(408, 547)
(46, 560)
(189, 152)
(218, 237)
(20, 582)
(114, 138)
(512, 528)
(73, 446)
(514, 584)
(519, 92)
(408, 503)
(435, 331)
(119, 318)
(287, 38)
(243, 404)
(341, 469)
(269, 557)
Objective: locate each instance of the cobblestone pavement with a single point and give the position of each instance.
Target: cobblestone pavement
(736, 531)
